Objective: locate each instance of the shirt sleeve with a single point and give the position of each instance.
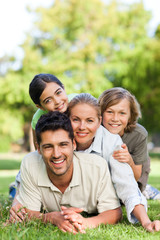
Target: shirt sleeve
(107, 198)
(126, 187)
(36, 117)
(18, 179)
(29, 195)
(140, 152)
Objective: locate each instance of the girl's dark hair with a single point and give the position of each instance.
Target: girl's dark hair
(113, 96)
(38, 85)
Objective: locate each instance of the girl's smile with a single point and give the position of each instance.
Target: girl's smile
(53, 98)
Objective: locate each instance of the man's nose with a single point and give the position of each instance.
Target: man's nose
(56, 152)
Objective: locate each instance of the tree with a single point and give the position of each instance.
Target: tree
(90, 46)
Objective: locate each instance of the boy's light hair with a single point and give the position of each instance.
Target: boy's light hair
(113, 96)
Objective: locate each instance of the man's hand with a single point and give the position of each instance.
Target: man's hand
(152, 226)
(61, 222)
(17, 212)
(73, 216)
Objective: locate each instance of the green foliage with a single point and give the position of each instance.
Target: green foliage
(90, 46)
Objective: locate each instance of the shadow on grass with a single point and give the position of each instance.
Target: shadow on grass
(154, 155)
(4, 186)
(154, 181)
(9, 164)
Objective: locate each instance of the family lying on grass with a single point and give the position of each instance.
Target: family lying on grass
(59, 184)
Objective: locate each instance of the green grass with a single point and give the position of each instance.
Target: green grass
(37, 230)
(9, 164)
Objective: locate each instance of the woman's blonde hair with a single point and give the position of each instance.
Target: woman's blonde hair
(87, 99)
(113, 96)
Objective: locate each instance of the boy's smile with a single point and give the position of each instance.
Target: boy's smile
(116, 117)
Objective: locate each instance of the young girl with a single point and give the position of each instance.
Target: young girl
(48, 94)
(120, 112)
(91, 137)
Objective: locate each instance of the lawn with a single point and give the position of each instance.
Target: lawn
(36, 230)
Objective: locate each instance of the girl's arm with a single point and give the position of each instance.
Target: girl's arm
(34, 138)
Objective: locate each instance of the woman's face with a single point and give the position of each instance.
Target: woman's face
(115, 118)
(85, 122)
(53, 98)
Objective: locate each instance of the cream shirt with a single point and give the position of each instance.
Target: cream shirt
(90, 187)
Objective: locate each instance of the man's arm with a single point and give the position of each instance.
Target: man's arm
(106, 217)
(57, 219)
(18, 213)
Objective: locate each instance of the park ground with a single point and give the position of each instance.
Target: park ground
(9, 166)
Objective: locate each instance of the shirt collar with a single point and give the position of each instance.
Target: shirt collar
(44, 181)
(96, 145)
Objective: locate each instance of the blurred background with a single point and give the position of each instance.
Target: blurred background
(90, 45)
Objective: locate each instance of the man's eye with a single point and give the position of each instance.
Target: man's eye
(47, 147)
(64, 144)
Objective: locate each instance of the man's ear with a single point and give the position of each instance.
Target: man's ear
(39, 106)
(38, 148)
(74, 145)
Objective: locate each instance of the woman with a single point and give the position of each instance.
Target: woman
(91, 137)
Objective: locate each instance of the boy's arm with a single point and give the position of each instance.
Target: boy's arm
(106, 217)
(123, 156)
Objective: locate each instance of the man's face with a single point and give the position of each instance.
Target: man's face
(57, 149)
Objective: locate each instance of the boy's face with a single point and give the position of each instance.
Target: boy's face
(57, 148)
(116, 117)
(53, 98)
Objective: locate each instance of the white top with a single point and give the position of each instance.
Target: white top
(121, 173)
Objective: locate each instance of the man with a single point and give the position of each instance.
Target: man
(64, 182)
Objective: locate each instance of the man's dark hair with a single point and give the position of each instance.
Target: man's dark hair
(53, 121)
(38, 84)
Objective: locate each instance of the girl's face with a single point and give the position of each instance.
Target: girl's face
(116, 117)
(53, 98)
(85, 122)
